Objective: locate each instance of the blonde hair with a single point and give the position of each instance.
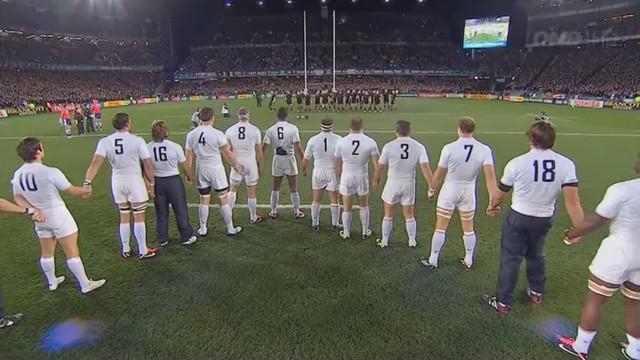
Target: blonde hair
(159, 130)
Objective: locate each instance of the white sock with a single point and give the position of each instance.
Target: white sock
(203, 214)
(140, 233)
(77, 268)
(437, 242)
(346, 222)
(48, 266)
(295, 201)
(387, 228)
(232, 199)
(583, 340)
(469, 247)
(411, 226)
(125, 237)
(252, 204)
(364, 219)
(633, 350)
(335, 214)
(225, 211)
(315, 214)
(275, 199)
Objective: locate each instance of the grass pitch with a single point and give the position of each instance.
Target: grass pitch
(280, 291)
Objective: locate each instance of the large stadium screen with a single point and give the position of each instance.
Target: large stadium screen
(486, 33)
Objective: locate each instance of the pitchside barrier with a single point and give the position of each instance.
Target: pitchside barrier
(548, 98)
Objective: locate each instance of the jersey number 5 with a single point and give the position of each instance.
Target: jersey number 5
(405, 151)
(119, 146)
(548, 171)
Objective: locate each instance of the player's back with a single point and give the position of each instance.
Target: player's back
(205, 141)
(402, 156)
(282, 135)
(621, 204)
(124, 151)
(40, 185)
(538, 178)
(243, 137)
(356, 150)
(464, 159)
(322, 148)
(166, 156)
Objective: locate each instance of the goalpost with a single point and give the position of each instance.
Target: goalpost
(304, 41)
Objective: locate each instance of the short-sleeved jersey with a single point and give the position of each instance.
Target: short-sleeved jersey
(621, 204)
(282, 135)
(166, 156)
(243, 137)
(537, 178)
(321, 148)
(402, 156)
(40, 185)
(355, 150)
(206, 141)
(124, 151)
(464, 159)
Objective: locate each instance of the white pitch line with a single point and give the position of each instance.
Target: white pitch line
(508, 133)
(261, 206)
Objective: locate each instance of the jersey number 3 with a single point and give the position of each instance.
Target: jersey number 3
(405, 151)
(548, 171)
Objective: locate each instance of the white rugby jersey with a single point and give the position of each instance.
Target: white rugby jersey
(243, 137)
(166, 156)
(621, 204)
(322, 148)
(402, 155)
(206, 141)
(356, 150)
(124, 151)
(537, 178)
(282, 134)
(40, 185)
(464, 159)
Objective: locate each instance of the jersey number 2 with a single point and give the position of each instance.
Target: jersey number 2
(356, 146)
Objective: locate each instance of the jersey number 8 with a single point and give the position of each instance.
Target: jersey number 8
(242, 133)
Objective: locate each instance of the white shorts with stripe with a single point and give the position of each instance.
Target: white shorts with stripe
(399, 191)
(457, 196)
(324, 179)
(130, 189)
(617, 262)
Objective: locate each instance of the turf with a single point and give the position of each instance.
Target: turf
(281, 291)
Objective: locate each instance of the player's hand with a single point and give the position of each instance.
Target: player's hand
(88, 191)
(38, 216)
(188, 180)
(493, 211)
(304, 172)
(239, 168)
(260, 170)
(569, 240)
(151, 189)
(430, 193)
(375, 182)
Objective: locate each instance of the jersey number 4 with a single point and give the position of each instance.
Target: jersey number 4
(547, 173)
(202, 140)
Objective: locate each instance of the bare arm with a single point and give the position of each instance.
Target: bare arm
(9, 207)
(78, 191)
(437, 178)
(427, 174)
(230, 157)
(260, 158)
(94, 167)
(377, 175)
(147, 166)
(305, 164)
(189, 158)
(22, 202)
(265, 147)
(572, 203)
(590, 223)
(297, 148)
(186, 169)
(338, 166)
(375, 160)
(490, 180)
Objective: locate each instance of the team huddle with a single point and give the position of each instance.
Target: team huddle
(341, 169)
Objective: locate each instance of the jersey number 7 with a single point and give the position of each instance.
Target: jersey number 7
(469, 149)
